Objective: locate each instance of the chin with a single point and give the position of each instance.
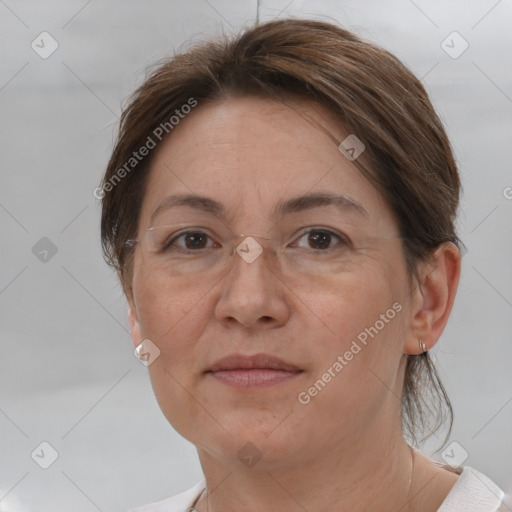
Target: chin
(241, 438)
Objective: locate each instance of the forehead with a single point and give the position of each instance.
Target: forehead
(250, 153)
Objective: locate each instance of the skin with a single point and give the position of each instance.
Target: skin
(343, 450)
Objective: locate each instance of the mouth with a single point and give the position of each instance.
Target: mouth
(260, 370)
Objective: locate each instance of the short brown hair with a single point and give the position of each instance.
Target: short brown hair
(407, 157)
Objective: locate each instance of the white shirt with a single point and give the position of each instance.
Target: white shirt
(472, 492)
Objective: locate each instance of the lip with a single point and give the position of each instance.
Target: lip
(256, 361)
(259, 370)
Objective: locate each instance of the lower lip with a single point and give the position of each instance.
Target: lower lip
(259, 377)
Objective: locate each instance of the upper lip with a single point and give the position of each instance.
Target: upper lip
(257, 361)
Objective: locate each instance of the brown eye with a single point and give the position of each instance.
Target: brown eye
(192, 241)
(195, 240)
(321, 240)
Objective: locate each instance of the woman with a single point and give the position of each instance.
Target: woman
(280, 210)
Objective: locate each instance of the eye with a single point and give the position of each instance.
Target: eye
(193, 240)
(321, 239)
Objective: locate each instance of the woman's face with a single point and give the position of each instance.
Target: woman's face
(339, 319)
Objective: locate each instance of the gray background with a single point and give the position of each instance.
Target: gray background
(68, 374)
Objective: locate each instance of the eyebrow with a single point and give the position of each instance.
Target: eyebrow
(292, 205)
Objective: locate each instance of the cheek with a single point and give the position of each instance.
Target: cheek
(363, 316)
(174, 317)
(165, 311)
(170, 319)
(355, 300)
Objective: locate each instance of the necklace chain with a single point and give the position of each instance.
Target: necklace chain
(410, 480)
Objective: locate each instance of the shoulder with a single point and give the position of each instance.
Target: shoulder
(181, 502)
(473, 492)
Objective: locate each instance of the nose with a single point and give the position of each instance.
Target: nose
(252, 294)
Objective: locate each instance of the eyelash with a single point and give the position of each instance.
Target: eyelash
(171, 244)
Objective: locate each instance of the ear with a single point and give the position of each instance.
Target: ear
(433, 297)
(135, 330)
(133, 319)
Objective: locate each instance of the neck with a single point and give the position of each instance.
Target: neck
(360, 475)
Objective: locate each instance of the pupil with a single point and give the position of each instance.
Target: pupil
(320, 238)
(194, 236)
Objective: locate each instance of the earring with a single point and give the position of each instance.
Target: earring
(423, 348)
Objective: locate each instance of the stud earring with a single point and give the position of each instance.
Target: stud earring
(423, 348)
